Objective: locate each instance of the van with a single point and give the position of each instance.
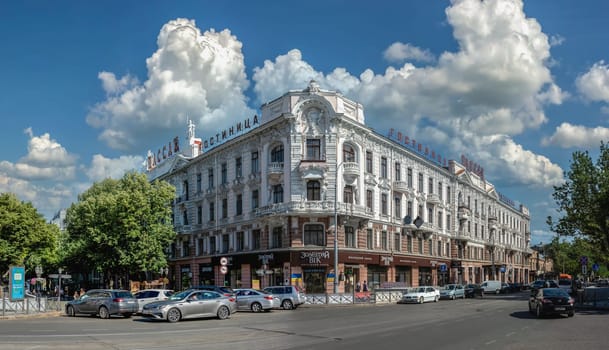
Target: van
(491, 286)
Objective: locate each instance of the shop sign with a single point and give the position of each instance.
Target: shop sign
(386, 260)
(315, 257)
(362, 259)
(266, 257)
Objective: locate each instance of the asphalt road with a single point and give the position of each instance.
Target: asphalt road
(496, 322)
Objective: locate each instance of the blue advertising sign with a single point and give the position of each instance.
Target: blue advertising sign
(442, 268)
(17, 283)
(595, 267)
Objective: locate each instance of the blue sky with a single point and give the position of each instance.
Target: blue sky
(88, 88)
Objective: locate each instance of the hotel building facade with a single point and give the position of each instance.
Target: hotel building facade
(265, 206)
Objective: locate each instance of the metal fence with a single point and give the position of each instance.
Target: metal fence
(29, 306)
(377, 297)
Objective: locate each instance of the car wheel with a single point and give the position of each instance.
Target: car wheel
(463, 296)
(127, 315)
(571, 314)
(452, 297)
(497, 291)
(538, 311)
(421, 300)
(287, 304)
(174, 315)
(70, 311)
(223, 312)
(103, 312)
(530, 309)
(256, 307)
(436, 298)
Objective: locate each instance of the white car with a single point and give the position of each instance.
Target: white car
(151, 295)
(420, 295)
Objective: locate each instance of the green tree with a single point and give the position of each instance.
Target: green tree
(25, 237)
(120, 227)
(584, 201)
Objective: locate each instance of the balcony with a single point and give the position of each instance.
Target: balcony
(433, 198)
(350, 170)
(402, 186)
(275, 170)
(464, 213)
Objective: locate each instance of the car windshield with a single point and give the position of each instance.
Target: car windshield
(555, 293)
(449, 287)
(180, 296)
(421, 290)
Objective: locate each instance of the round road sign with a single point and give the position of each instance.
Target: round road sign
(223, 269)
(223, 261)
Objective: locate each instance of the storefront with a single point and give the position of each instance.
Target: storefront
(315, 266)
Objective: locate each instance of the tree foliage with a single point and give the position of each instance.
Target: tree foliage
(584, 201)
(120, 227)
(25, 237)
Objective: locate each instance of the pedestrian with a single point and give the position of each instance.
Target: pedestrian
(358, 287)
(76, 295)
(82, 291)
(365, 286)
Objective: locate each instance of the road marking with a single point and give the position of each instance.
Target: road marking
(510, 334)
(490, 342)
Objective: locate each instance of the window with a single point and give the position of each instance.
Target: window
(212, 211)
(398, 171)
(185, 190)
(224, 173)
(277, 194)
(396, 242)
(185, 248)
(421, 246)
(384, 240)
(276, 237)
(420, 188)
(225, 243)
(255, 165)
(239, 242)
(199, 214)
(383, 167)
(199, 182)
(409, 177)
(409, 243)
(430, 185)
(369, 239)
(210, 178)
(350, 236)
(277, 154)
(256, 239)
(200, 246)
(440, 219)
(238, 168)
(448, 194)
(447, 222)
(440, 190)
(348, 154)
(224, 208)
(397, 205)
(313, 149)
(314, 234)
(255, 199)
(313, 191)
(348, 194)
(430, 246)
(430, 215)
(369, 199)
(212, 245)
(369, 162)
(384, 203)
(239, 209)
(409, 209)
(184, 217)
(439, 251)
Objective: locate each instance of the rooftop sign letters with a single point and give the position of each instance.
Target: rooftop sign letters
(167, 151)
(404, 140)
(229, 133)
(472, 166)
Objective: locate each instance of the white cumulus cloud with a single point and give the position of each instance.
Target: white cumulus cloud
(399, 52)
(568, 135)
(594, 84)
(102, 167)
(193, 75)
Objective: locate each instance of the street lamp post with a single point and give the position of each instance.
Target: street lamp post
(336, 224)
(38, 270)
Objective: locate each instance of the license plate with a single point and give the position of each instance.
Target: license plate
(559, 308)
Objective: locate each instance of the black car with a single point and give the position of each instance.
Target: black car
(226, 291)
(543, 284)
(473, 290)
(551, 301)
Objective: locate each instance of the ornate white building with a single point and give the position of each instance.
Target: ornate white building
(265, 194)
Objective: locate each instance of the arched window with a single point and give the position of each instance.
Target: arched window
(313, 191)
(348, 154)
(314, 234)
(277, 154)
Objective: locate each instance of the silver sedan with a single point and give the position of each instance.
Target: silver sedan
(253, 299)
(191, 304)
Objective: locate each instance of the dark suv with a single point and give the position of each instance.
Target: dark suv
(286, 297)
(226, 291)
(103, 302)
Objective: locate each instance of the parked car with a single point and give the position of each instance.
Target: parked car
(255, 300)
(103, 302)
(191, 303)
(505, 288)
(472, 290)
(566, 284)
(226, 291)
(150, 295)
(420, 295)
(491, 286)
(286, 297)
(452, 291)
(551, 301)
